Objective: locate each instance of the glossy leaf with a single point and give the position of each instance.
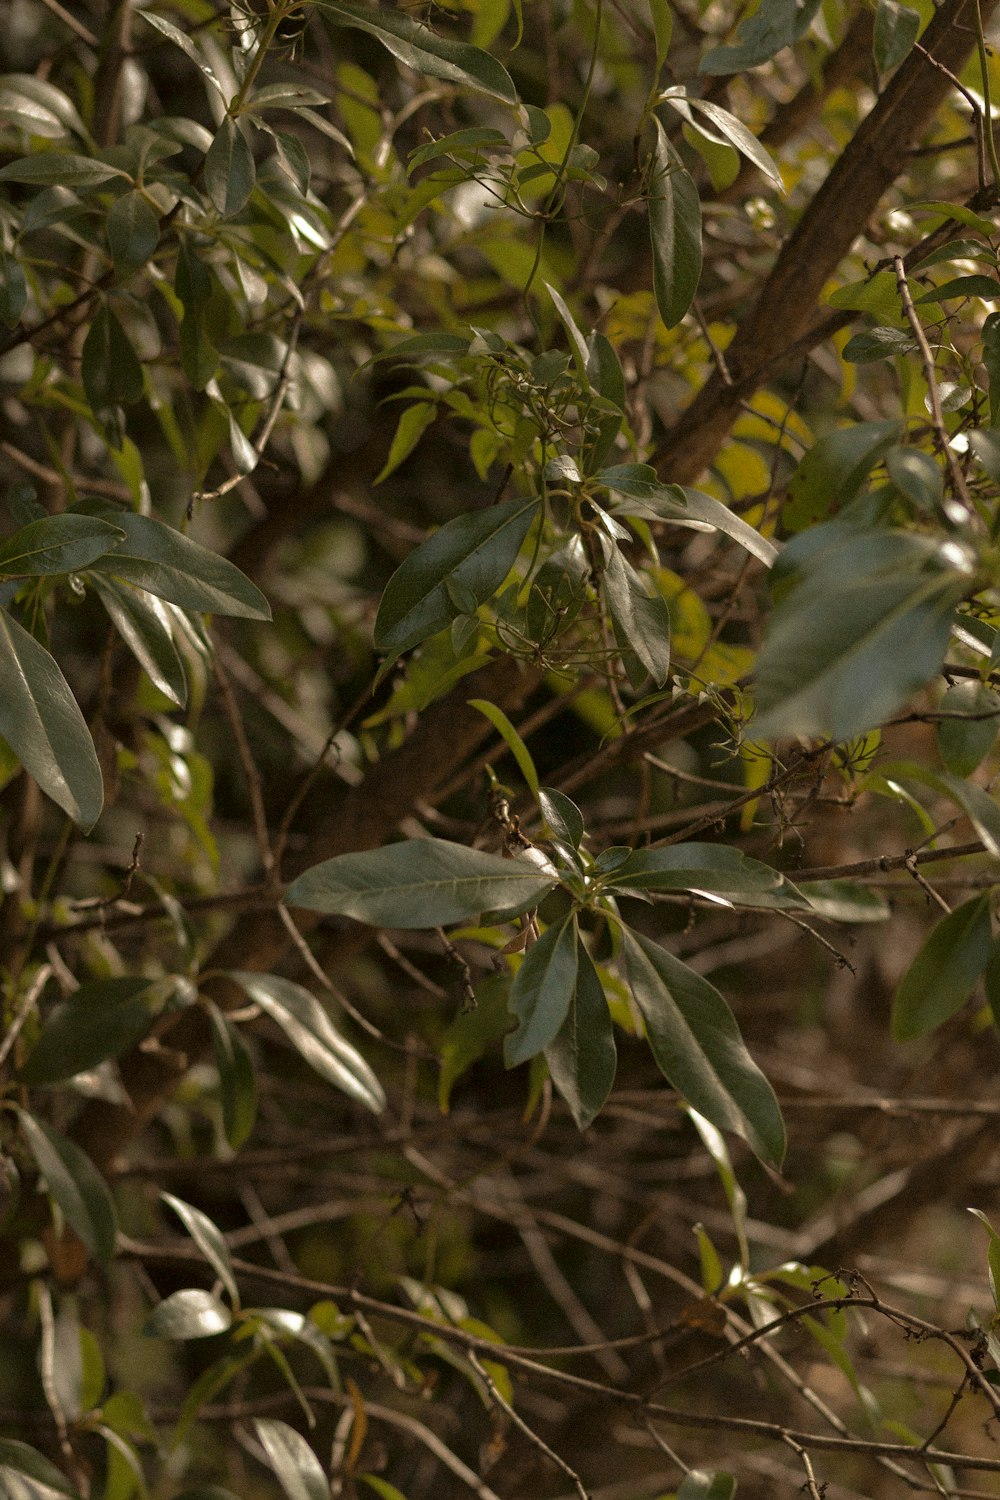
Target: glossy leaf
(917, 476)
(57, 544)
(59, 168)
(296, 1466)
(42, 724)
(641, 620)
(188, 1314)
(104, 1018)
(877, 343)
(209, 1240)
(717, 868)
(562, 815)
(419, 883)
(582, 1057)
(112, 374)
(942, 976)
(737, 134)
(23, 1460)
(229, 169)
(237, 1078)
(145, 625)
(160, 560)
(183, 41)
(423, 50)
(542, 990)
(683, 506)
(314, 1036)
(675, 233)
(698, 1048)
(896, 29)
(474, 551)
(75, 1184)
(133, 232)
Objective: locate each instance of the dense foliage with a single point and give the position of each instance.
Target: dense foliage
(499, 681)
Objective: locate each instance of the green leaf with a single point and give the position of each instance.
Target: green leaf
(419, 344)
(774, 25)
(229, 169)
(582, 1057)
(237, 1079)
(977, 804)
(475, 551)
(467, 143)
(42, 724)
(512, 739)
(420, 883)
(112, 374)
(562, 815)
(698, 1048)
(183, 41)
(160, 560)
(542, 990)
(57, 544)
(663, 25)
(683, 506)
(990, 335)
(74, 1182)
(471, 1034)
(641, 620)
(993, 1255)
(716, 868)
(942, 976)
(917, 476)
(22, 1459)
(864, 625)
(313, 1035)
(145, 626)
(133, 232)
(964, 741)
(963, 286)
(834, 470)
(739, 136)
(59, 169)
(877, 343)
(675, 233)
(209, 1240)
(13, 290)
(297, 1468)
(188, 1314)
(104, 1018)
(896, 29)
(421, 49)
(844, 901)
(413, 423)
(38, 107)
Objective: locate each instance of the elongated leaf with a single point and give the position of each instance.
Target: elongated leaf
(834, 470)
(183, 41)
(188, 1314)
(57, 544)
(993, 1253)
(562, 815)
(474, 552)
(157, 558)
(112, 374)
(675, 233)
(698, 1048)
(542, 990)
(133, 232)
(717, 868)
(59, 169)
(209, 1240)
(75, 1184)
(775, 24)
(229, 169)
(896, 29)
(941, 977)
(412, 425)
(582, 1057)
(42, 724)
(964, 740)
(422, 49)
(237, 1079)
(641, 621)
(877, 343)
(512, 740)
(683, 506)
(963, 286)
(739, 136)
(845, 901)
(865, 624)
(22, 1459)
(103, 1018)
(145, 626)
(38, 106)
(314, 1036)
(296, 1466)
(419, 883)
(977, 804)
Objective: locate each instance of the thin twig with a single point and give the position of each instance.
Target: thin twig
(522, 1426)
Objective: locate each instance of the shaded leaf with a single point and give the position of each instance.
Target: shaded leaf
(41, 722)
(675, 233)
(13, 290)
(75, 1184)
(112, 374)
(413, 423)
(896, 29)
(683, 506)
(183, 41)
(237, 1079)
(229, 169)
(717, 868)
(296, 1466)
(562, 815)
(834, 470)
(993, 1254)
(57, 544)
(422, 49)
(541, 992)
(157, 558)
(475, 551)
(209, 1240)
(877, 343)
(964, 741)
(917, 476)
(20, 1458)
(188, 1314)
(104, 1018)
(845, 901)
(313, 1035)
(641, 620)
(60, 169)
(581, 1057)
(774, 25)
(698, 1048)
(145, 626)
(133, 232)
(419, 883)
(962, 286)
(942, 976)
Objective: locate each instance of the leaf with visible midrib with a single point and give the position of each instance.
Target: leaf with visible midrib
(75, 1184)
(160, 560)
(582, 1057)
(675, 233)
(698, 1048)
(42, 724)
(542, 990)
(57, 544)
